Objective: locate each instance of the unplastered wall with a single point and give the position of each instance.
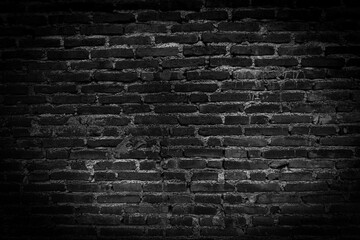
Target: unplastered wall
(201, 119)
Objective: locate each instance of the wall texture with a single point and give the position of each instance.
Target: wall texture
(196, 119)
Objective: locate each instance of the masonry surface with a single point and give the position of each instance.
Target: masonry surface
(182, 119)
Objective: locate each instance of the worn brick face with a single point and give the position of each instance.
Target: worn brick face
(179, 119)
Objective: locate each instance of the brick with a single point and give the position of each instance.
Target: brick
(34, 43)
(209, 15)
(80, 42)
(192, 27)
(340, 141)
(263, 108)
(203, 50)
(329, 153)
(179, 38)
(207, 75)
(289, 141)
(156, 52)
(150, 88)
(230, 97)
(245, 142)
(94, 64)
(159, 16)
(204, 176)
(286, 62)
(299, 50)
(197, 152)
(179, 63)
(236, 120)
(113, 18)
(102, 88)
(118, 198)
(69, 18)
(323, 62)
(70, 176)
(67, 54)
(245, 37)
(236, 26)
(267, 187)
(154, 119)
(102, 29)
(138, 40)
(252, 50)
(212, 108)
(119, 99)
(115, 77)
(304, 187)
(286, 153)
(175, 109)
(127, 187)
(211, 131)
(253, 14)
(165, 98)
(234, 62)
(227, 3)
(88, 154)
(208, 187)
(134, 64)
(191, 87)
(317, 37)
(112, 53)
(145, 28)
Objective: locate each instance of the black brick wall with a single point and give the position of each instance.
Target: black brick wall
(184, 119)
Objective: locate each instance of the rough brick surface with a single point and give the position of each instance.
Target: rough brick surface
(179, 119)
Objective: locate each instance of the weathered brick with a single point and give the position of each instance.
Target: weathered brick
(68, 54)
(252, 50)
(159, 16)
(115, 77)
(179, 63)
(239, 62)
(138, 40)
(236, 26)
(80, 42)
(156, 52)
(112, 53)
(192, 27)
(204, 50)
(179, 119)
(179, 38)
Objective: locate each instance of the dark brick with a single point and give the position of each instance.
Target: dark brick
(113, 18)
(236, 26)
(252, 50)
(102, 29)
(234, 62)
(159, 16)
(207, 75)
(80, 42)
(156, 52)
(145, 28)
(138, 40)
(112, 53)
(322, 62)
(286, 62)
(197, 152)
(204, 50)
(179, 38)
(179, 63)
(134, 64)
(253, 14)
(193, 27)
(199, 120)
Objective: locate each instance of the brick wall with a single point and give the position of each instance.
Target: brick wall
(196, 119)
